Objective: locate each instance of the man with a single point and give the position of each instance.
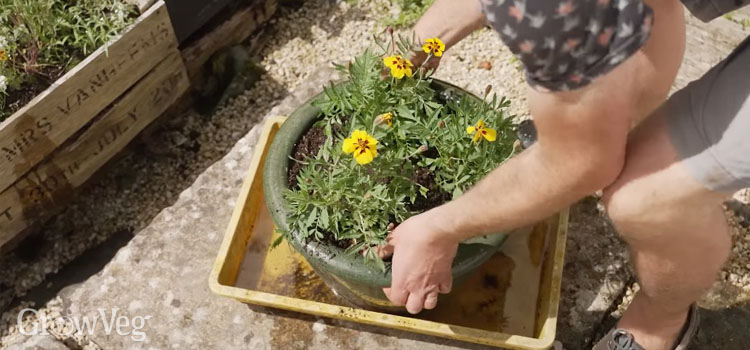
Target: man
(595, 68)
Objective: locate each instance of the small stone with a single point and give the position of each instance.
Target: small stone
(486, 65)
(319, 326)
(37, 342)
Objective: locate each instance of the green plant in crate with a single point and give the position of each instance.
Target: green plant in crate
(40, 40)
(393, 147)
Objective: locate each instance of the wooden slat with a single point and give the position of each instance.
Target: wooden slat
(49, 185)
(233, 31)
(37, 129)
(142, 5)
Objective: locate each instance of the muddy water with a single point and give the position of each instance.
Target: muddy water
(501, 296)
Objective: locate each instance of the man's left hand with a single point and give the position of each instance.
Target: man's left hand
(422, 259)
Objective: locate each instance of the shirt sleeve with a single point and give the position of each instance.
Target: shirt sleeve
(566, 44)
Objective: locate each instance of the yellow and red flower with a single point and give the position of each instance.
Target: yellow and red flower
(434, 46)
(3, 55)
(481, 130)
(362, 145)
(399, 66)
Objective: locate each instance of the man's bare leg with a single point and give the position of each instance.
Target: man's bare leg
(676, 230)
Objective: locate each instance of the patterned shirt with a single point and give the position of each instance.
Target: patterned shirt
(566, 44)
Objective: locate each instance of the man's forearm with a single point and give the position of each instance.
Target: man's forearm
(582, 138)
(524, 190)
(450, 20)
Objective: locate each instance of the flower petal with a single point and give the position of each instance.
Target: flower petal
(408, 71)
(438, 53)
(364, 156)
(397, 73)
(470, 130)
(349, 145)
(480, 124)
(489, 134)
(440, 43)
(359, 135)
(390, 61)
(371, 141)
(477, 137)
(427, 48)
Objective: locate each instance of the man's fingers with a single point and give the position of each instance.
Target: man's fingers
(396, 296)
(446, 287)
(385, 251)
(430, 301)
(415, 303)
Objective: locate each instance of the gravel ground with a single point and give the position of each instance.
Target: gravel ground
(128, 194)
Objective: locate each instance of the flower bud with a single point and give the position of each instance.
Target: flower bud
(386, 118)
(422, 149)
(487, 90)
(441, 124)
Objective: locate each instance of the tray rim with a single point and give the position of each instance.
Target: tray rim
(253, 179)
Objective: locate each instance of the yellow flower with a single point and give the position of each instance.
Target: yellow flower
(434, 46)
(3, 55)
(480, 130)
(384, 118)
(399, 66)
(362, 145)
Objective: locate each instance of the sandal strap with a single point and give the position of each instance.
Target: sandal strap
(620, 339)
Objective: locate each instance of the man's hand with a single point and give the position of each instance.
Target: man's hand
(418, 60)
(422, 259)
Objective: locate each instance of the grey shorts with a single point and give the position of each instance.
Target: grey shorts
(709, 123)
(707, 10)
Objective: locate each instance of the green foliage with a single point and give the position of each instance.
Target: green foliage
(43, 39)
(356, 203)
(411, 11)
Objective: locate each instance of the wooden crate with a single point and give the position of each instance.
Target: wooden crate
(39, 191)
(233, 31)
(40, 127)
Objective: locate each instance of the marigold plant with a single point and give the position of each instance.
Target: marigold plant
(394, 147)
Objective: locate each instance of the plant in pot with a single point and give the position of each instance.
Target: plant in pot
(364, 155)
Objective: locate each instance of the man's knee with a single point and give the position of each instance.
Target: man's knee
(626, 206)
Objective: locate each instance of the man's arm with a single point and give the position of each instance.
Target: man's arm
(449, 20)
(581, 148)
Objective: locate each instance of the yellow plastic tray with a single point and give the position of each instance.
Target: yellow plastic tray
(481, 310)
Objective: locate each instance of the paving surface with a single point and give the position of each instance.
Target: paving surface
(163, 270)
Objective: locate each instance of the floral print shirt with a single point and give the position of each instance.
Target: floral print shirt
(565, 44)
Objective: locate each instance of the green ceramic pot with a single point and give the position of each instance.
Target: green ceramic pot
(348, 275)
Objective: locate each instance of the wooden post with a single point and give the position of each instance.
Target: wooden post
(232, 32)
